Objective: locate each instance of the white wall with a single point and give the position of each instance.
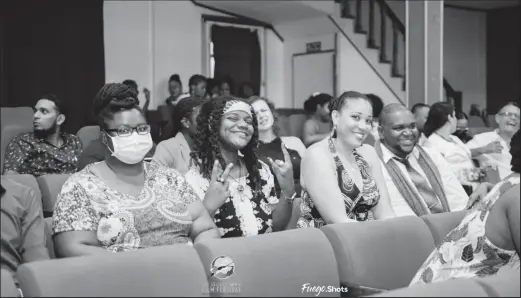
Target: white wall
(464, 49)
(354, 73)
(465, 54)
(150, 40)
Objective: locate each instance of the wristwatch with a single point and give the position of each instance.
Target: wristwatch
(289, 200)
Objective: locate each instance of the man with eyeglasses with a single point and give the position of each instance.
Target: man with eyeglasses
(493, 148)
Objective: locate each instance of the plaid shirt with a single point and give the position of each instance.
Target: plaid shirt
(27, 154)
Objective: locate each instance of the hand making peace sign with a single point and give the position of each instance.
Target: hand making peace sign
(217, 191)
(283, 170)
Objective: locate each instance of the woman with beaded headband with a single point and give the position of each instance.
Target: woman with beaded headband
(236, 187)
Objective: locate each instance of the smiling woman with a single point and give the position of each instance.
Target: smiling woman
(236, 187)
(351, 185)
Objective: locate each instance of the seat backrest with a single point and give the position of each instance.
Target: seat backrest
(164, 271)
(9, 131)
(283, 124)
(275, 264)
(381, 254)
(476, 121)
(8, 288)
(50, 186)
(477, 130)
(442, 223)
(450, 288)
(88, 134)
(48, 237)
(296, 122)
(503, 284)
(16, 115)
(30, 181)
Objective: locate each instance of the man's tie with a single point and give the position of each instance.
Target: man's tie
(423, 187)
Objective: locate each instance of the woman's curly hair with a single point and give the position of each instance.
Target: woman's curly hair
(207, 141)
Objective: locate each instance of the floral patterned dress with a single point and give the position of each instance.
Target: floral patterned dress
(159, 216)
(466, 252)
(358, 203)
(245, 212)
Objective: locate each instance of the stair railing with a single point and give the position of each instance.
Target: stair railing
(378, 32)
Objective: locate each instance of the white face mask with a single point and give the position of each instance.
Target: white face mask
(131, 149)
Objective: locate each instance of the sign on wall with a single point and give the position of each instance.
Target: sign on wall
(313, 47)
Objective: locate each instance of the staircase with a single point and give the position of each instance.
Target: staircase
(384, 32)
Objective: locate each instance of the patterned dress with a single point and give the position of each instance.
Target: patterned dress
(245, 212)
(28, 154)
(466, 252)
(358, 203)
(159, 216)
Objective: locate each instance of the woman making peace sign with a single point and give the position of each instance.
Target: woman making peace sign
(242, 197)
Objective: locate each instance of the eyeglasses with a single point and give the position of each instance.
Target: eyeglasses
(127, 131)
(510, 115)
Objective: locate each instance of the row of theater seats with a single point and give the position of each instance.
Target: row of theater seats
(46, 188)
(379, 254)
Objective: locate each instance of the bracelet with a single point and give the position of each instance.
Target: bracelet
(289, 200)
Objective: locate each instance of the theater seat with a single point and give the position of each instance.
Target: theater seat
(88, 134)
(442, 223)
(48, 237)
(504, 284)
(381, 254)
(50, 186)
(164, 271)
(16, 115)
(9, 131)
(8, 288)
(275, 264)
(283, 124)
(450, 288)
(296, 123)
(27, 180)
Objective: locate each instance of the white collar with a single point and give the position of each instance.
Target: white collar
(388, 155)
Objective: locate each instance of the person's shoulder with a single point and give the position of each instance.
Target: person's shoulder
(318, 152)
(24, 137)
(15, 188)
(367, 151)
(160, 171)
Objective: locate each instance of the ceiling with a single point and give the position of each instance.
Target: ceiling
(484, 4)
(272, 12)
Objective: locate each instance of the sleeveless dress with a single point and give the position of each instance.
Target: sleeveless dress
(466, 252)
(358, 204)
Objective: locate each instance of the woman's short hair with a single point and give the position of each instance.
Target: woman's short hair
(461, 116)
(338, 103)
(196, 79)
(207, 140)
(316, 99)
(175, 78)
(515, 151)
(113, 98)
(271, 105)
(438, 116)
(184, 109)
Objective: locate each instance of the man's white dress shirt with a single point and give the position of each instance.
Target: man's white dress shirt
(457, 198)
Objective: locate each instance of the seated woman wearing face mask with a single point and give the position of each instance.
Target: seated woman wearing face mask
(123, 203)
